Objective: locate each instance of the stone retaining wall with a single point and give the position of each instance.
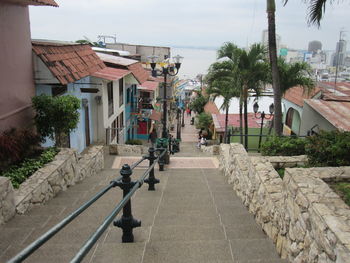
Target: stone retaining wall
(65, 170)
(128, 150)
(213, 149)
(7, 201)
(305, 219)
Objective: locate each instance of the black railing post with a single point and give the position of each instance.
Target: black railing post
(126, 222)
(161, 160)
(151, 180)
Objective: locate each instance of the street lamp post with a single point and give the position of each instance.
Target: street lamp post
(262, 116)
(178, 126)
(167, 69)
(183, 118)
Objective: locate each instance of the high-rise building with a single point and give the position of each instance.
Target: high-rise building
(340, 53)
(265, 40)
(314, 46)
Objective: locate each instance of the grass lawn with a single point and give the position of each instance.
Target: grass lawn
(253, 141)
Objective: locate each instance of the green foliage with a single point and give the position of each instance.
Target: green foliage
(284, 146)
(204, 121)
(56, 115)
(280, 172)
(329, 149)
(19, 173)
(15, 145)
(198, 104)
(343, 189)
(133, 142)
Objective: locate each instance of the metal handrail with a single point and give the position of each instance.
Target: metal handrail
(108, 220)
(92, 240)
(54, 230)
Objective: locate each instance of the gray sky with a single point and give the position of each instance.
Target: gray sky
(186, 22)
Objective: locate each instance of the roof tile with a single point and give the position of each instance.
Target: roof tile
(68, 62)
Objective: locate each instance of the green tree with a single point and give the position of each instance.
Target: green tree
(317, 9)
(223, 80)
(198, 103)
(204, 121)
(252, 70)
(295, 74)
(56, 116)
(277, 94)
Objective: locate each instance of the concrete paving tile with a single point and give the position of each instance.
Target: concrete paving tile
(244, 231)
(13, 236)
(33, 221)
(199, 218)
(52, 253)
(238, 216)
(187, 233)
(119, 253)
(253, 249)
(114, 235)
(46, 210)
(263, 261)
(188, 251)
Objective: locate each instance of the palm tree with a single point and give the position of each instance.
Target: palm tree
(316, 10)
(222, 80)
(295, 74)
(277, 95)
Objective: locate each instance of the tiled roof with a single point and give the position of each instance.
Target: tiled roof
(233, 120)
(211, 107)
(297, 95)
(68, 63)
(149, 85)
(336, 112)
(139, 72)
(111, 73)
(34, 2)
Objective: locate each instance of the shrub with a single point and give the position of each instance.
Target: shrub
(284, 146)
(19, 173)
(56, 116)
(329, 149)
(15, 145)
(133, 142)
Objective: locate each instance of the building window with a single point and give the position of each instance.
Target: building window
(289, 118)
(110, 98)
(121, 92)
(121, 120)
(58, 90)
(128, 96)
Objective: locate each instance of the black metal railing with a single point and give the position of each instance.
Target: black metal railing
(126, 222)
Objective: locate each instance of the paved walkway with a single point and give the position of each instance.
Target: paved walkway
(193, 216)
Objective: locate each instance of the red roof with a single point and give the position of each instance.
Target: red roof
(34, 2)
(139, 72)
(149, 85)
(68, 62)
(211, 107)
(340, 93)
(297, 95)
(233, 120)
(336, 112)
(111, 73)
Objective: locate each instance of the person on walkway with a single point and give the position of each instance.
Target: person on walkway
(188, 112)
(152, 134)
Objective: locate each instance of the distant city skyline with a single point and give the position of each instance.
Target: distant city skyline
(204, 23)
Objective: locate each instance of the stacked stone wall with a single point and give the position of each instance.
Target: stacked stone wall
(305, 219)
(65, 170)
(128, 150)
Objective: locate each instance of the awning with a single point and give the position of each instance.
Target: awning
(111, 73)
(148, 86)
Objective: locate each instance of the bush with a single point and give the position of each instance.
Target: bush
(329, 149)
(284, 146)
(133, 142)
(19, 173)
(15, 145)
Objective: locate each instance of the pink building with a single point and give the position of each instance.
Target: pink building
(16, 66)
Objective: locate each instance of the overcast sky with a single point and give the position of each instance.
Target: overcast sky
(186, 22)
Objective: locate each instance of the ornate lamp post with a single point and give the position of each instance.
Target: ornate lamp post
(167, 69)
(262, 116)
